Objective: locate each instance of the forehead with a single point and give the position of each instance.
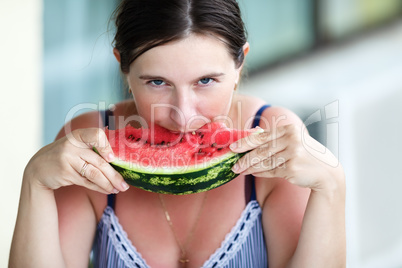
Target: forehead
(190, 56)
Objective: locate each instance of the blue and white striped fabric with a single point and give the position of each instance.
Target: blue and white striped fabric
(243, 247)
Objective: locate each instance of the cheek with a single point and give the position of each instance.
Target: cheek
(151, 107)
(141, 103)
(216, 104)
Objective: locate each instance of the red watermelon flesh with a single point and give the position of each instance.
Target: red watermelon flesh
(158, 147)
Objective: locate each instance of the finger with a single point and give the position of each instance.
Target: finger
(278, 160)
(95, 138)
(89, 172)
(288, 172)
(107, 170)
(259, 154)
(77, 179)
(92, 186)
(95, 176)
(250, 142)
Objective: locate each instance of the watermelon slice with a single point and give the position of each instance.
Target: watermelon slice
(162, 161)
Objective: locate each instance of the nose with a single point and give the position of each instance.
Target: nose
(184, 112)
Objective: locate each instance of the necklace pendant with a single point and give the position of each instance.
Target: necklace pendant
(183, 262)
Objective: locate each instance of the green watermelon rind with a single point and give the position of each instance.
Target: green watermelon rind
(194, 180)
(171, 168)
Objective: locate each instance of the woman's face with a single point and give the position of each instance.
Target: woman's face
(184, 84)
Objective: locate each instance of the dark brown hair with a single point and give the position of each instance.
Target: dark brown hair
(144, 24)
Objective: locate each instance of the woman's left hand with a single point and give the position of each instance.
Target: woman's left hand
(291, 153)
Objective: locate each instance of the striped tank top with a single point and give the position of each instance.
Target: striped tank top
(244, 246)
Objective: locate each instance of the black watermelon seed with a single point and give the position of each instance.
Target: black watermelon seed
(162, 143)
(130, 137)
(213, 145)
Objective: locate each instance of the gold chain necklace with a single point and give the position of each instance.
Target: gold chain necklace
(183, 258)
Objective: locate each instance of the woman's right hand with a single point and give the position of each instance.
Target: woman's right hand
(62, 162)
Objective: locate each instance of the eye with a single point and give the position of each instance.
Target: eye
(205, 81)
(157, 82)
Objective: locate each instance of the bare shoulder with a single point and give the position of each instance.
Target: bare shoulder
(94, 119)
(245, 107)
(247, 102)
(91, 119)
(277, 116)
(272, 117)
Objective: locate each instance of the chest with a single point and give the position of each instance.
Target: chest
(196, 225)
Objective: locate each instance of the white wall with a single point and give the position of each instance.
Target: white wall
(360, 83)
(20, 102)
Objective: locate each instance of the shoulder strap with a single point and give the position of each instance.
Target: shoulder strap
(108, 121)
(256, 122)
(257, 116)
(111, 200)
(108, 118)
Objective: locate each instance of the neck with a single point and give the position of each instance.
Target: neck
(183, 235)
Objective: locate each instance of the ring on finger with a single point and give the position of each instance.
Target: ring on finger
(83, 169)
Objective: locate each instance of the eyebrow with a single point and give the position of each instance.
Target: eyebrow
(158, 77)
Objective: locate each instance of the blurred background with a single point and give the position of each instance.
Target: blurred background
(336, 63)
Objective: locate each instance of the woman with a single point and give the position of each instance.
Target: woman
(186, 57)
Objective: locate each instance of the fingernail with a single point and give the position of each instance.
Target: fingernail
(111, 157)
(257, 129)
(233, 146)
(235, 168)
(252, 130)
(115, 191)
(124, 185)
